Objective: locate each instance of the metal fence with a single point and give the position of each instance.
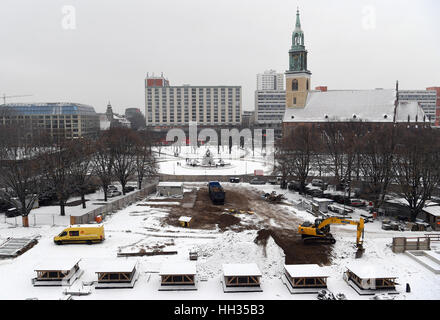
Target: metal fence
(402, 244)
(58, 220)
(39, 219)
(114, 206)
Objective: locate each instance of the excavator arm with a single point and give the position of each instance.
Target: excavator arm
(336, 220)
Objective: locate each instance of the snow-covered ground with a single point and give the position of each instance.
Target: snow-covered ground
(137, 227)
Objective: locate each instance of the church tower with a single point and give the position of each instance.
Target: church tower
(298, 78)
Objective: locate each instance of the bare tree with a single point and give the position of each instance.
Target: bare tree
(123, 143)
(283, 163)
(19, 171)
(376, 161)
(296, 153)
(57, 160)
(416, 168)
(82, 153)
(340, 141)
(103, 162)
(146, 165)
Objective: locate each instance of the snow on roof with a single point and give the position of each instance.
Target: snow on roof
(249, 269)
(411, 109)
(369, 271)
(59, 264)
(170, 184)
(433, 210)
(306, 270)
(116, 266)
(401, 201)
(353, 105)
(322, 200)
(178, 268)
(185, 219)
(92, 225)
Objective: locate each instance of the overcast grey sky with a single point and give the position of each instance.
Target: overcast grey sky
(352, 44)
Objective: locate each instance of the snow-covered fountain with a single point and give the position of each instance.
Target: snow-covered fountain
(207, 161)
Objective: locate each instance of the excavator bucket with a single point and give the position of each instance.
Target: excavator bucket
(359, 252)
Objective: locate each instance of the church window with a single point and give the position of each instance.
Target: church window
(295, 85)
(294, 100)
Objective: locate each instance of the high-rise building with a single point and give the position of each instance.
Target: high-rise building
(437, 113)
(270, 98)
(270, 106)
(171, 106)
(270, 80)
(298, 77)
(427, 99)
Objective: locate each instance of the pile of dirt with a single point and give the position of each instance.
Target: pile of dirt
(227, 220)
(262, 237)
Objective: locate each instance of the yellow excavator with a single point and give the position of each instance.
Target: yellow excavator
(319, 232)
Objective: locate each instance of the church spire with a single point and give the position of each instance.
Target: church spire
(298, 22)
(298, 52)
(298, 34)
(298, 77)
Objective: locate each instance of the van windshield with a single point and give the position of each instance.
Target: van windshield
(63, 234)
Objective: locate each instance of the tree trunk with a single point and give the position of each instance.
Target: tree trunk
(302, 189)
(83, 200)
(25, 220)
(414, 215)
(105, 192)
(62, 208)
(123, 188)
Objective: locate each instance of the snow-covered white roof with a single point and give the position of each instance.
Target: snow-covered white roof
(306, 271)
(92, 225)
(249, 269)
(170, 184)
(369, 271)
(353, 105)
(185, 219)
(411, 109)
(433, 210)
(63, 264)
(116, 266)
(322, 200)
(178, 268)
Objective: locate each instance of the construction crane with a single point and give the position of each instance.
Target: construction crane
(319, 232)
(7, 97)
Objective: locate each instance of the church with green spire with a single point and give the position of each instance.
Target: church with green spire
(298, 52)
(307, 107)
(298, 77)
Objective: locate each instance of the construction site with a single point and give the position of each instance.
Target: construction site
(262, 242)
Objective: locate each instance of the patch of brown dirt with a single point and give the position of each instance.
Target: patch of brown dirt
(295, 250)
(206, 215)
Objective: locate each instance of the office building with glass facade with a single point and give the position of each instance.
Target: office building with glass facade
(68, 120)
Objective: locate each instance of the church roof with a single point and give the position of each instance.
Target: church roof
(353, 105)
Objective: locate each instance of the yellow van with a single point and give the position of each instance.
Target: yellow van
(81, 234)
